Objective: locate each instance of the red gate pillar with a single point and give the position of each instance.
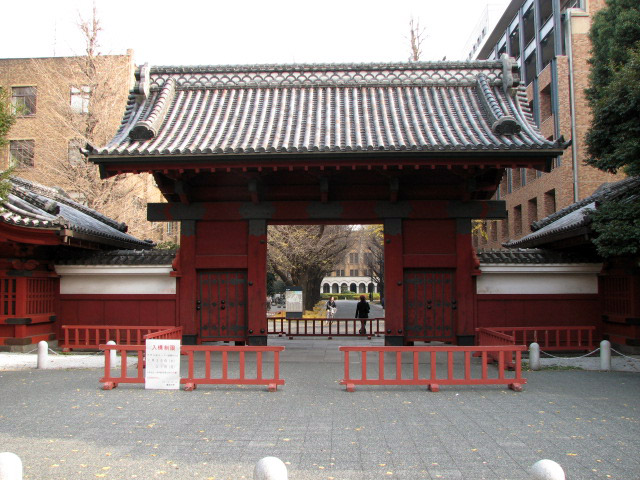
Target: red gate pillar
(257, 283)
(187, 282)
(466, 267)
(393, 288)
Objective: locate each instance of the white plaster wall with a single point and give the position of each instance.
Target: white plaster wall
(538, 279)
(116, 280)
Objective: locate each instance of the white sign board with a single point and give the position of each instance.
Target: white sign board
(293, 300)
(162, 365)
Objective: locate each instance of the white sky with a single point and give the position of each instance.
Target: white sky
(216, 32)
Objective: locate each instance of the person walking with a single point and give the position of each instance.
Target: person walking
(331, 309)
(362, 311)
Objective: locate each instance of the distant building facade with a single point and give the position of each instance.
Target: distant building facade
(53, 99)
(550, 41)
(354, 272)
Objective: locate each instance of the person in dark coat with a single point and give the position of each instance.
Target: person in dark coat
(362, 311)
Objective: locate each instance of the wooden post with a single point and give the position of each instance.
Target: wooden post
(257, 283)
(393, 279)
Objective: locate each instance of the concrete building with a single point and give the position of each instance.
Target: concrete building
(60, 103)
(354, 272)
(550, 41)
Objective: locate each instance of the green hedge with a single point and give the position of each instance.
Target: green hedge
(348, 296)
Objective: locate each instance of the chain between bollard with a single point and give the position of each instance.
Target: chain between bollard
(571, 358)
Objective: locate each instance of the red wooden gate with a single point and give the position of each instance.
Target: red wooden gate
(430, 303)
(222, 304)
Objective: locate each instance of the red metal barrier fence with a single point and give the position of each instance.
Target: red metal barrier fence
(205, 378)
(429, 374)
(549, 338)
(92, 336)
(172, 333)
(192, 380)
(321, 327)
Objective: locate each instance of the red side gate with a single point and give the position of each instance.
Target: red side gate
(222, 305)
(430, 303)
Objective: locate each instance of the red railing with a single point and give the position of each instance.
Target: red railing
(205, 378)
(92, 336)
(549, 338)
(321, 327)
(172, 333)
(476, 373)
(485, 336)
(109, 381)
(193, 379)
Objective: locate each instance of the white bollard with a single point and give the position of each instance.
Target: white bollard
(10, 466)
(534, 356)
(270, 468)
(112, 354)
(546, 470)
(43, 354)
(605, 355)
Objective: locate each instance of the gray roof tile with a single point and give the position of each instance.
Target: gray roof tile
(575, 218)
(532, 256)
(32, 205)
(422, 107)
(117, 257)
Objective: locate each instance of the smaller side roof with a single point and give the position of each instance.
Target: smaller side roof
(34, 206)
(575, 220)
(528, 256)
(116, 257)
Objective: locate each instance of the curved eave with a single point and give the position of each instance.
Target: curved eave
(30, 235)
(550, 238)
(537, 158)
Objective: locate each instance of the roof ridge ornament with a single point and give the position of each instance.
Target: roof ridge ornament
(148, 128)
(501, 123)
(143, 84)
(510, 74)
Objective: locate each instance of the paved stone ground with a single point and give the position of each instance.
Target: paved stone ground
(64, 427)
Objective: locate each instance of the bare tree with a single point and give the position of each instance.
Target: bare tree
(374, 255)
(85, 98)
(416, 38)
(302, 255)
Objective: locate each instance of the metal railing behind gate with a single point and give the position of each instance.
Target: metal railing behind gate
(321, 327)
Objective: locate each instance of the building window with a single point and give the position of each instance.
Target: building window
(339, 273)
(545, 103)
(509, 180)
(505, 228)
(80, 99)
(353, 258)
(21, 153)
(549, 202)
(494, 231)
(172, 228)
(517, 220)
(23, 100)
(353, 272)
(368, 258)
(533, 210)
(523, 177)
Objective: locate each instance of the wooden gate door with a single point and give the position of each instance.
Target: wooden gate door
(430, 305)
(222, 304)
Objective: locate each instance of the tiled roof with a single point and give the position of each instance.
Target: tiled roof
(574, 219)
(531, 256)
(274, 109)
(33, 205)
(117, 257)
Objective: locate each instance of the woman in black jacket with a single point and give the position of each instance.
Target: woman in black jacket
(362, 311)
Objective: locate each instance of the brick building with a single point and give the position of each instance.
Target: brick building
(550, 41)
(61, 102)
(354, 272)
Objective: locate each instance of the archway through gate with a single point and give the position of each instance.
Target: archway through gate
(419, 148)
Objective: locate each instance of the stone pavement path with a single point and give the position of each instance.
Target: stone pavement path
(64, 427)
